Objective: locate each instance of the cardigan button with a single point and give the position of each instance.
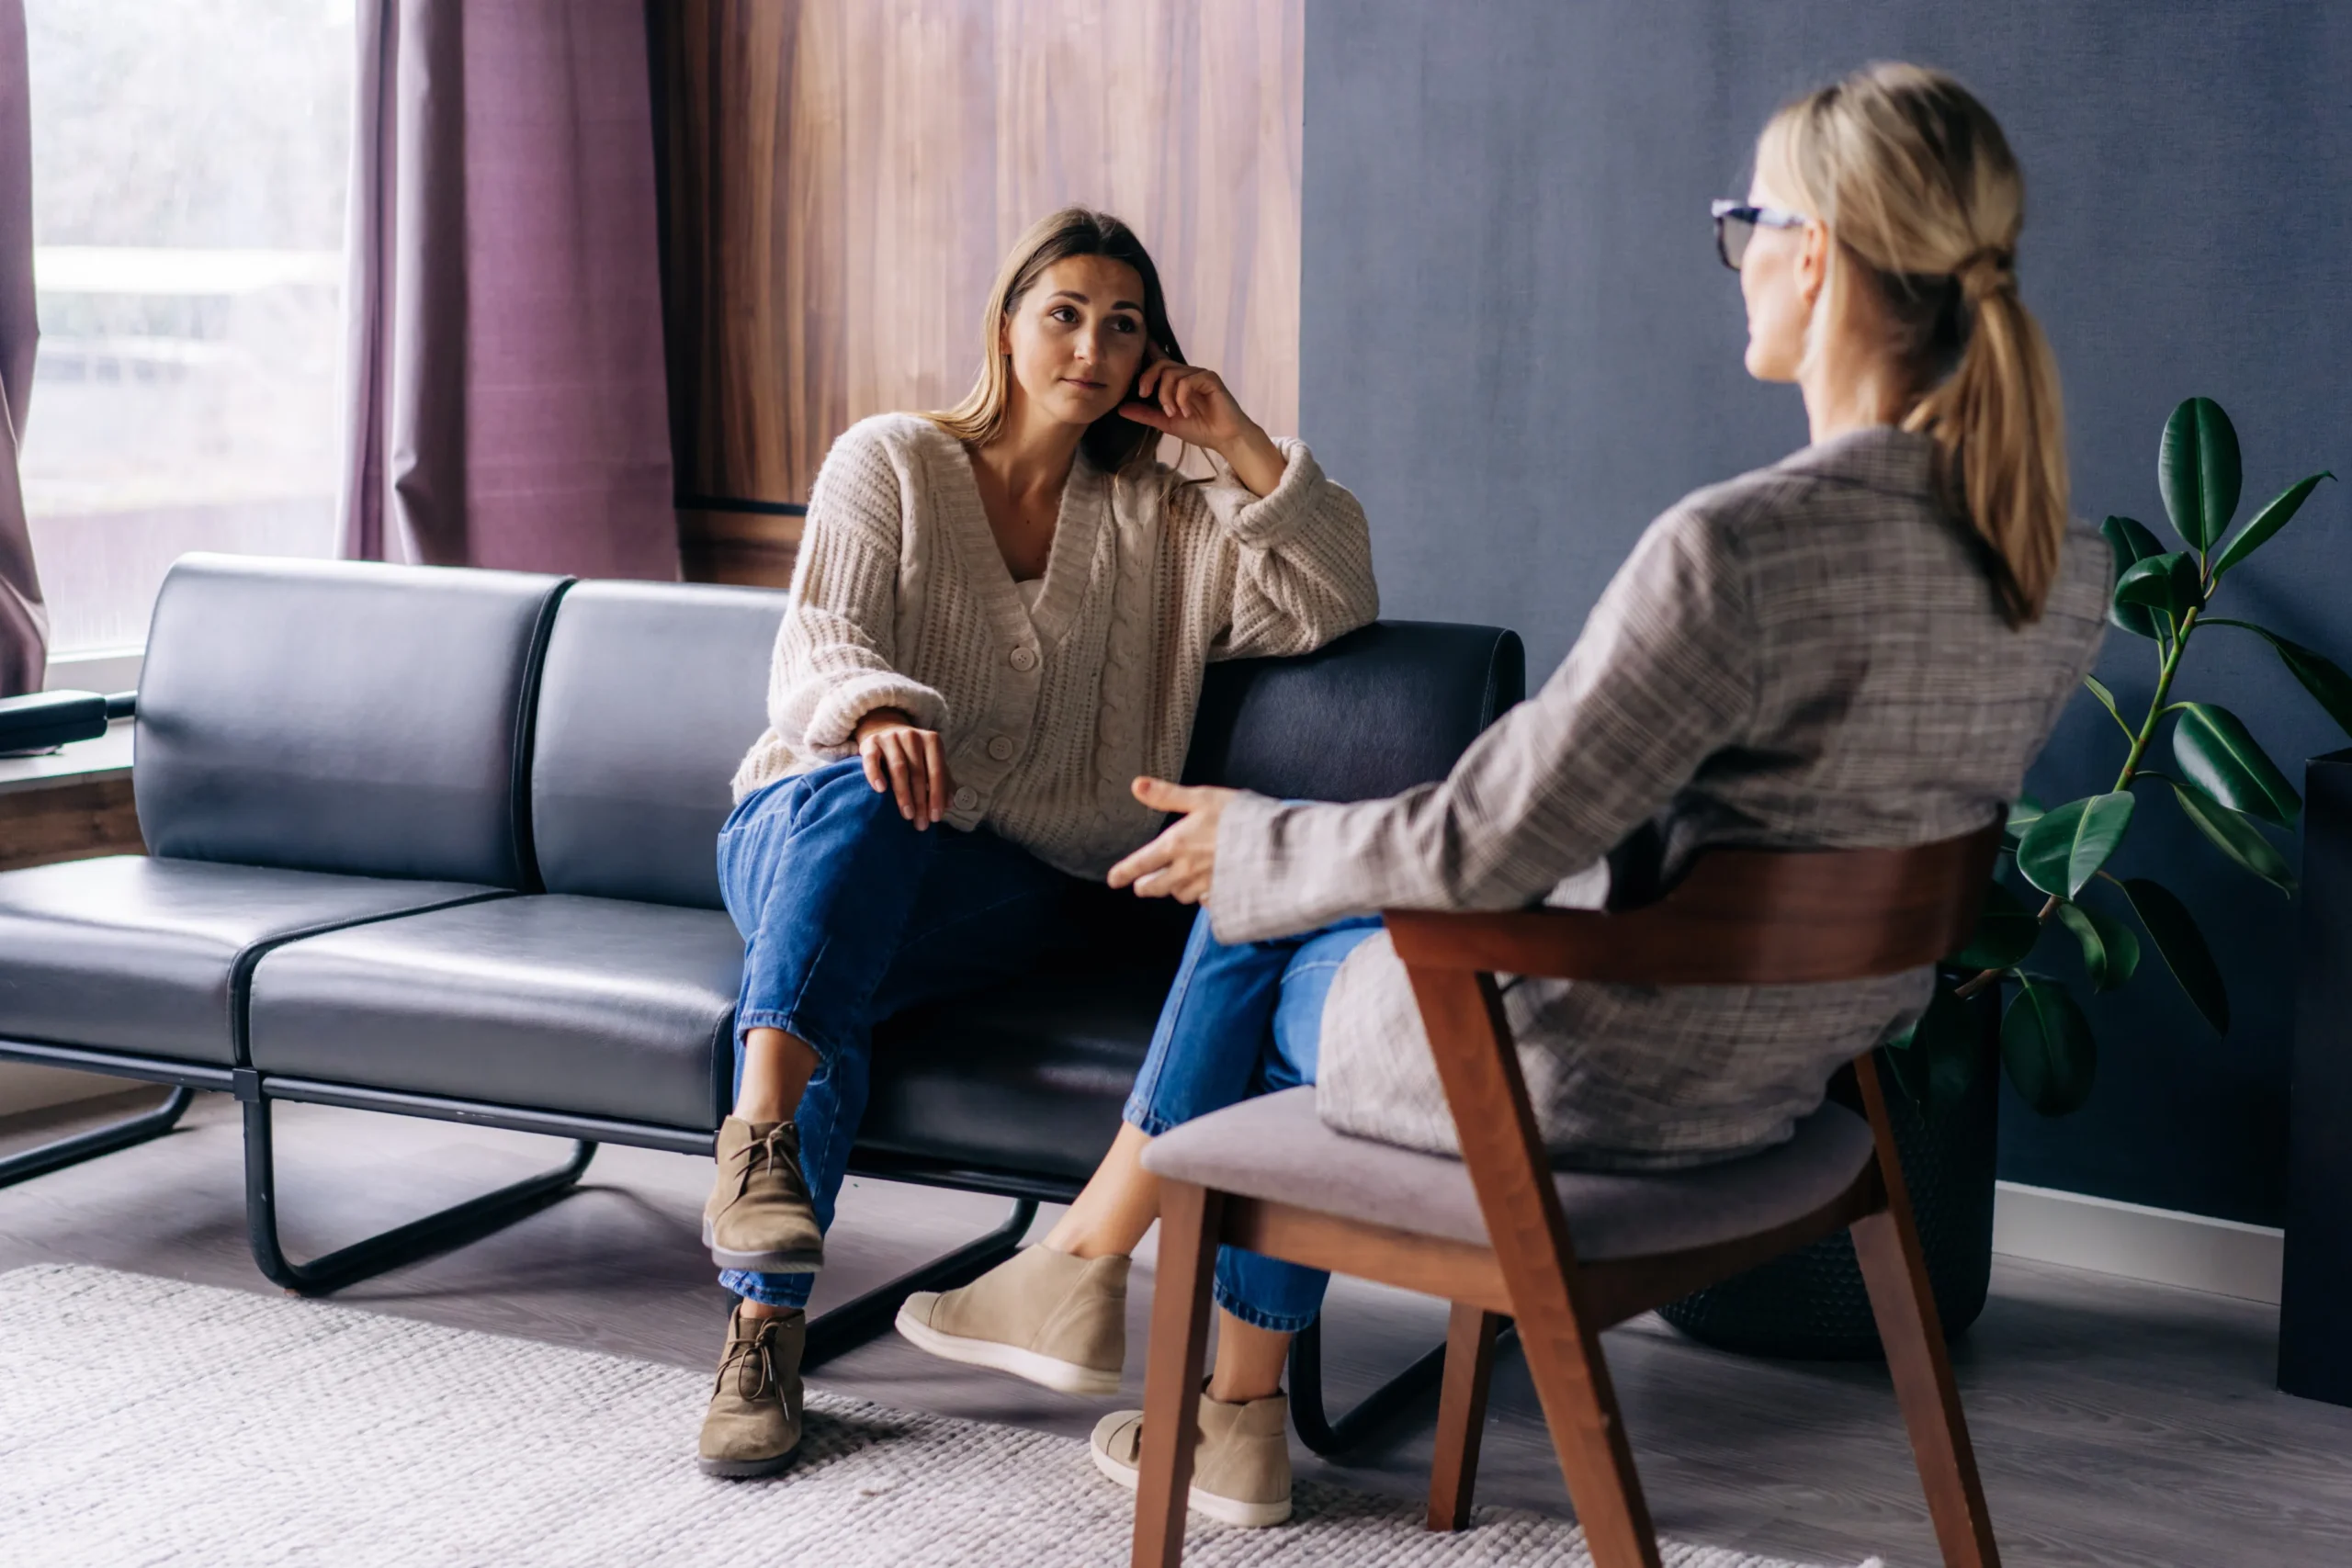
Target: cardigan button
(967, 798)
(1024, 659)
(1000, 748)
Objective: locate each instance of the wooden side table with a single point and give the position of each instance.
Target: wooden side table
(71, 804)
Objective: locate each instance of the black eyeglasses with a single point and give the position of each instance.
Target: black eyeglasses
(1736, 222)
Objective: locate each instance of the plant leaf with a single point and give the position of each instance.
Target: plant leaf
(2266, 522)
(2130, 543)
(2063, 851)
(1935, 1059)
(2098, 688)
(2234, 836)
(2168, 924)
(2005, 933)
(2167, 582)
(2321, 676)
(2047, 1046)
(2110, 950)
(2214, 749)
(2197, 470)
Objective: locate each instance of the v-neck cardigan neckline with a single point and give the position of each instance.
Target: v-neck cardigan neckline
(1085, 504)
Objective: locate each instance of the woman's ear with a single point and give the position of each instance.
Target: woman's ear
(1813, 261)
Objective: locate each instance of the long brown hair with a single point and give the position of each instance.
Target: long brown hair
(1917, 183)
(1112, 442)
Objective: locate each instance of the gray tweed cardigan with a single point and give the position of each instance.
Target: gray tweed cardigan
(1807, 656)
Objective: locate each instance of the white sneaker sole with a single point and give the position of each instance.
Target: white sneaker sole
(1224, 1510)
(1062, 1377)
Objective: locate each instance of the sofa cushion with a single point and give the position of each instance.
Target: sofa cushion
(653, 692)
(1277, 1146)
(150, 957)
(341, 716)
(594, 1007)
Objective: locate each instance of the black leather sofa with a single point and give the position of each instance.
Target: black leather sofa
(441, 843)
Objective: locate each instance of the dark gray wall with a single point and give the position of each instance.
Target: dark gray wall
(1518, 347)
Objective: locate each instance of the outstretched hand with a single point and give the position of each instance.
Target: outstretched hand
(1180, 864)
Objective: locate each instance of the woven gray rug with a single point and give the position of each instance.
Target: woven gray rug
(148, 1421)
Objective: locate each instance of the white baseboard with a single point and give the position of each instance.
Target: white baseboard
(105, 670)
(2166, 1248)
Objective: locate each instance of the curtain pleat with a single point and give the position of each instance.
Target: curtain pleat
(506, 398)
(24, 617)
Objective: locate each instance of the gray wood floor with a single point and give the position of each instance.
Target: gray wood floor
(2117, 1423)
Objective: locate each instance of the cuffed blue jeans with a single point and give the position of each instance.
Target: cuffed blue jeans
(849, 915)
(1240, 1022)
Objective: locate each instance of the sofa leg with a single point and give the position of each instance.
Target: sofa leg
(870, 1316)
(434, 1232)
(29, 1163)
(1327, 1438)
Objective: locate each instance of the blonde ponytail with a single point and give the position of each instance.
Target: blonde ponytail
(1917, 183)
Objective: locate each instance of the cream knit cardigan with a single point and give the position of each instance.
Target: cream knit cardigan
(901, 599)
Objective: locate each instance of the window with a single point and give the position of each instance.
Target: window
(189, 163)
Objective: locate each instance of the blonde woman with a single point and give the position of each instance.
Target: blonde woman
(999, 619)
(1863, 644)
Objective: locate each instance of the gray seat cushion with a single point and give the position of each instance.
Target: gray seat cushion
(149, 956)
(1277, 1148)
(592, 1006)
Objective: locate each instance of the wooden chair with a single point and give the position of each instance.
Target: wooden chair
(1569, 1254)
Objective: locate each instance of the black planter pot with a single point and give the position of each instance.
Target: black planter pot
(1811, 1303)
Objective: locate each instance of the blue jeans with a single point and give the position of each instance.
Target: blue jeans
(849, 915)
(1242, 1022)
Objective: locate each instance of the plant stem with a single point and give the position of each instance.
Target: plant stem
(2156, 711)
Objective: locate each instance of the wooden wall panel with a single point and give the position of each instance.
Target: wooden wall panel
(844, 177)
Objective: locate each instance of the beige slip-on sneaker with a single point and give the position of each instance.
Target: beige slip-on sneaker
(1240, 1461)
(1041, 1315)
(753, 1426)
(759, 1216)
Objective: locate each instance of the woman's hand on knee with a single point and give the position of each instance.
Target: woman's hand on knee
(907, 762)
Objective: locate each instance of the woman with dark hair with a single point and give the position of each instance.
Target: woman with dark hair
(999, 619)
(1861, 645)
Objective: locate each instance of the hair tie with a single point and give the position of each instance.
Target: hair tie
(1990, 271)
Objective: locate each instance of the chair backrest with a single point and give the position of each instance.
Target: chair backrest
(1738, 917)
(1380, 710)
(650, 694)
(342, 717)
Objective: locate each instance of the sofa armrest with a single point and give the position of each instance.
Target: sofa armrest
(45, 720)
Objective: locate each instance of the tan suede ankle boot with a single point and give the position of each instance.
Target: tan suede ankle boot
(753, 1426)
(759, 1216)
(1241, 1460)
(1041, 1315)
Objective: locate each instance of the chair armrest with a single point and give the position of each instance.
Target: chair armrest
(1739, 918)
(45, 720)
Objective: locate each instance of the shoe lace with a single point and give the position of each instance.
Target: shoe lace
(752, 1360)
(764, 1152)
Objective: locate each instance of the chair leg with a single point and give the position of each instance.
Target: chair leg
(1462, 1414)
(1172, 1388)
(1581, 1409)
(1887, 1245)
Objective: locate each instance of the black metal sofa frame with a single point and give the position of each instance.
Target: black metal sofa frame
(439, 844)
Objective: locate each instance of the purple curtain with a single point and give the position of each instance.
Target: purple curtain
(507, 401)
(24, 618)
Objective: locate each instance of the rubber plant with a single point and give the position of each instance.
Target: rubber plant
(2221, 781)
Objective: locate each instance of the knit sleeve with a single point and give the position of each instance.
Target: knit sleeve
(835, 654)
(1299, 557)
(1664, 675)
